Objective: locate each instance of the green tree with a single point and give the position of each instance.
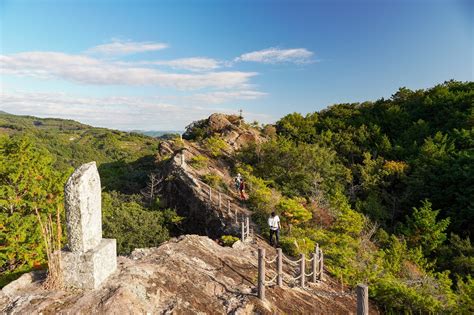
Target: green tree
(422, 228)
(28, 181)
(131, 224)
(293, 212)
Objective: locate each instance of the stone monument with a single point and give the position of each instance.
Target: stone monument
(89, 259)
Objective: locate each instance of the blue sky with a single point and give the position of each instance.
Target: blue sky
(158, 65)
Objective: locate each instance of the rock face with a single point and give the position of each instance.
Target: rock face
(90, 259)
(230, 127)
(189, 275)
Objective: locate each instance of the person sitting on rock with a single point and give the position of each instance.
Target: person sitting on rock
(274, 224)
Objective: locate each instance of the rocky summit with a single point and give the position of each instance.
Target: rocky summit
(189, 275)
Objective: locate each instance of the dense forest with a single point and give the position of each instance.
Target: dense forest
(386, 187)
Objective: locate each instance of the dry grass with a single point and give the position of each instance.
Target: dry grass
(52, 234)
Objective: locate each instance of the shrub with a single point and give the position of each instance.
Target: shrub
(133, 225)
(199, 161)
(294, 246)
(398, 297)
(215, 145)
(212, 180)
(293, 212)
(229, 240)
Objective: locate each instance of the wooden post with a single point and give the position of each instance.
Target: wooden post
(261, 274)
(247, 223)
(362, 299)
(302, 267)
(242, 236)
(279, 268)
(314, 267)
(182, 158)
(210, 194)
(220, 199)
(321, 265)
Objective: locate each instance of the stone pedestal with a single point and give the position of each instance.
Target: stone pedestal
(88, 270)
(89, 259)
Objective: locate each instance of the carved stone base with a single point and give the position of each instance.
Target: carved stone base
(88, 270)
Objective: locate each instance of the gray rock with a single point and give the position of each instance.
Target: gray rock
(23, 282)
(88, 270)
(83, 208)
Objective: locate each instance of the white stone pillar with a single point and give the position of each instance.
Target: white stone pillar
(89, 259)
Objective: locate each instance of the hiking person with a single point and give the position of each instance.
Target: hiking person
(242, 189)
(274, 224)
(237, 181)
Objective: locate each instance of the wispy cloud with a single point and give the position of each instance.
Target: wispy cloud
(219, 97)
(89, 70)
(118, 47)
(276, 55)
(191, 64)
(124, 113)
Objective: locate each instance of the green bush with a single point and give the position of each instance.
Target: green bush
(215, 146)
(399, 298)
(199, 161)
(229, 240)
(292, 211)
(132, 225)
(294, 246)
(213, 180)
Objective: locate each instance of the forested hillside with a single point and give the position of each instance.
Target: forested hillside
(36, 157)
(386, 187)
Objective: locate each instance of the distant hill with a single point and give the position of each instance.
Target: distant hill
(124, 158)
(158, 133)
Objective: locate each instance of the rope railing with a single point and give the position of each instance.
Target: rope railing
(271, 261)
(271, 280)
(316, 269)
(290, 261)
(245, 229)
(316, 274)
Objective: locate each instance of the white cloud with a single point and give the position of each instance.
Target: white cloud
(276, 55)
(88, 70)
(118, 47)
(219, 97)
(191, 64)
(126, 113)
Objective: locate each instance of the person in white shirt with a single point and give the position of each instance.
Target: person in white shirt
(274, 224)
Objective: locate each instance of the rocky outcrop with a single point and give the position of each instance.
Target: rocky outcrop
(230, 127)
(183, 189)
(185, 192)
(189, 275)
